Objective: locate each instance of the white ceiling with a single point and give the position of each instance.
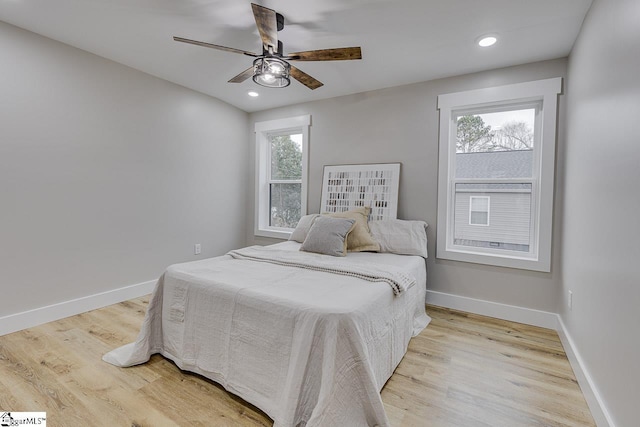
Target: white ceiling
(403, 41)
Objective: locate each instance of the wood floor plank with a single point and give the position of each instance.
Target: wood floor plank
(462, 370)
(493, 374)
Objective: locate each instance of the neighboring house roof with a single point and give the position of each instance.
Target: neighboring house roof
(495, 164)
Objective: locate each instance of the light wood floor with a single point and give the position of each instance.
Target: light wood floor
(462, 370)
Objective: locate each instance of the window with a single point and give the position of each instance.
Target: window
(478, 210)
(496, 173)
(281, 170)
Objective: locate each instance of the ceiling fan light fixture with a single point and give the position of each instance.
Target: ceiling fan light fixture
(271, 69)
(271, 72)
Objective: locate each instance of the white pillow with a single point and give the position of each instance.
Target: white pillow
(302, 229)
(400, 237)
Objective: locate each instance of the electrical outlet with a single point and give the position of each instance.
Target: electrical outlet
(570, 302)
(197, 249)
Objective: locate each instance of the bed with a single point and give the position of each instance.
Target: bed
(307, 347)
(307, 337)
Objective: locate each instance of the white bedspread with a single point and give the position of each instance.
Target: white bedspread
(307, 347)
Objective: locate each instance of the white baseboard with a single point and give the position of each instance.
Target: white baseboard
(533, 317)
(513, 313)
(596, 405)
(38, 316)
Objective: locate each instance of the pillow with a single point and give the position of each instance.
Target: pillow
(401, 237)
(360, 238)
(300, 233)
(328, 236)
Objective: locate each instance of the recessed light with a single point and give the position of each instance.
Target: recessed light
(253, 93)
(486, 41)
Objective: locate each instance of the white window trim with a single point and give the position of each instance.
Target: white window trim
(546, 91)
(263, 129)
(488, 210)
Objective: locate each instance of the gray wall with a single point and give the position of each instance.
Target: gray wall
(107, 175)
(400, 124)
(601, 232)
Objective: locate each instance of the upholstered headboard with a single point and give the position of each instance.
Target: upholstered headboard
(346, 187)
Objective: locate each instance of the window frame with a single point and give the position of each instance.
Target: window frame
(505, 98)
(488, 211)
(298, 124)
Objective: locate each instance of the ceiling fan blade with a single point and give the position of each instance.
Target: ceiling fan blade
(267, 24)
(305, 78)
(338, 54)
(215, 46)
(243, 75)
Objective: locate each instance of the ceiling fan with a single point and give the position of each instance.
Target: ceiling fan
(271, 68)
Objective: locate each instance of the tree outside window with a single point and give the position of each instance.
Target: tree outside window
(286, 180)
(476, 136)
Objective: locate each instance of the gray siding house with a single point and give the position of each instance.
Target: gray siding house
(493, 215)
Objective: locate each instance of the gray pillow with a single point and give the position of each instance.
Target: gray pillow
(328, 236)
(302, 229)
(360, 238)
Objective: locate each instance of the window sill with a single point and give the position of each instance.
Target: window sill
(282, 233)
(498, 260)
